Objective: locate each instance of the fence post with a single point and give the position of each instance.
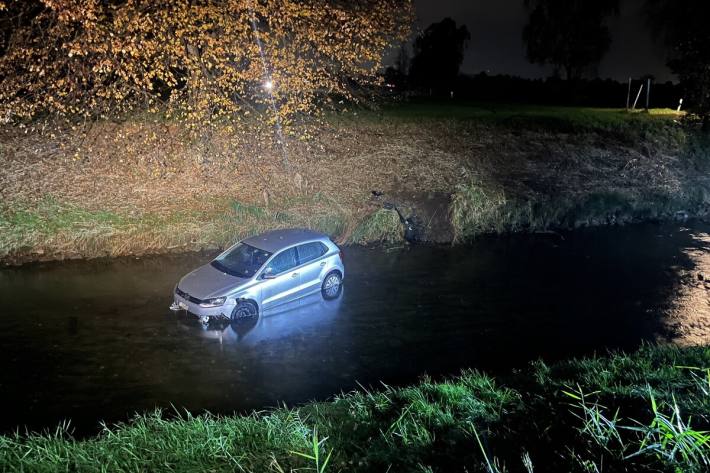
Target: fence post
(628, 96)
(637, 96)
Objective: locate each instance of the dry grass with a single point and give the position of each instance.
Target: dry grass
(145, 186)
(382, 226)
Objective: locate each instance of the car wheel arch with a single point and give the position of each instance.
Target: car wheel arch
(240, 300)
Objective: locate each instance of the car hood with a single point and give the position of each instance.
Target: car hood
(207, 281)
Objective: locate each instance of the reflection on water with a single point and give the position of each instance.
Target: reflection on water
(94, 340)
(689, 312)
(296, 319)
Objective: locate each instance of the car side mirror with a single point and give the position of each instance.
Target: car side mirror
(268, 274)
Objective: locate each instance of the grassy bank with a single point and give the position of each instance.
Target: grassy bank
(52, 229)
(646, 411)
(544, 116)
(476, 210)
(463, 169)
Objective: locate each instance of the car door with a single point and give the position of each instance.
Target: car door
(283, 285)
(310, 257)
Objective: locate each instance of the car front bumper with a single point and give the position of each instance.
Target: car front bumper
(181, 303)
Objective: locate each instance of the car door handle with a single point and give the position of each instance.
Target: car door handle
(294, 275)
(322, 263)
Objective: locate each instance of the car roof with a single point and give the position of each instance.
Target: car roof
(276, 240)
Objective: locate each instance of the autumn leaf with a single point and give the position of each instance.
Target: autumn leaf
(203, 61)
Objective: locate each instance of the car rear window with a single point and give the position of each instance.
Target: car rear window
(283, 261)
(310, 251)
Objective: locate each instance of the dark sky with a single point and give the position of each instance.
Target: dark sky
(496, 46)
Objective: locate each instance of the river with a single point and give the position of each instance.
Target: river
(94, 340)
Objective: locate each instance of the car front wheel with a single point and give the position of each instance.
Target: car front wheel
(332, 285)
(244, 310)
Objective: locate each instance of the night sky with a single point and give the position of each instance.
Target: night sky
(496, 39)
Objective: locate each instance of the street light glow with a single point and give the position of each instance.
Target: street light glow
(268, 85)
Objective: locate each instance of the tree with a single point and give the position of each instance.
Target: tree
(200, 60)
(438, 54)
(683, 25)
(403, 61)
(396, 76)
(568, 34)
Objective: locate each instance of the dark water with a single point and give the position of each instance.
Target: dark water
(94, 340)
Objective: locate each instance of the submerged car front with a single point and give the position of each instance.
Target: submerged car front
(214, 289)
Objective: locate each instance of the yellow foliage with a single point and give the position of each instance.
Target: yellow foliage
(201, 60)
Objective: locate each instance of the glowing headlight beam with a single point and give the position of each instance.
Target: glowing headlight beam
(269, 86)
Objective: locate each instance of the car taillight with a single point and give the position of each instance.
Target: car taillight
(340, 253)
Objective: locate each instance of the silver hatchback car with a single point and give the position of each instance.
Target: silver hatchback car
(261, 273)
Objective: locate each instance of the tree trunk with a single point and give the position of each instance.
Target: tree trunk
(569, 75)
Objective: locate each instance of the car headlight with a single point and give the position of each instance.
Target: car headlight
(216, 302)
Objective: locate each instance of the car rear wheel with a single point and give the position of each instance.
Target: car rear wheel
(244, 310)
(332, 285)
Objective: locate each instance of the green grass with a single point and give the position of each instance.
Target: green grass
(51, 228)
(637, 412)
(380, 226)
(23, 227)
(238, 220)
(661, 126)
(477, 209)
(491, 113)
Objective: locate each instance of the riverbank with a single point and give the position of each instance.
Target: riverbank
(645, 411)
(145, 186)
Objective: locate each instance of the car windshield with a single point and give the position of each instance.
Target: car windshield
(242, 261)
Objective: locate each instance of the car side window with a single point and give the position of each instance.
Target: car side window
(310, 251)
(283, 261)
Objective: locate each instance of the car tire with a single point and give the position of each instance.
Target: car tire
(332, 285)
(244, 310)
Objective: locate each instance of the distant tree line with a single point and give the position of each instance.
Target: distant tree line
(503, 88)
(572, 36)
(684, 26)
(557, 91)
